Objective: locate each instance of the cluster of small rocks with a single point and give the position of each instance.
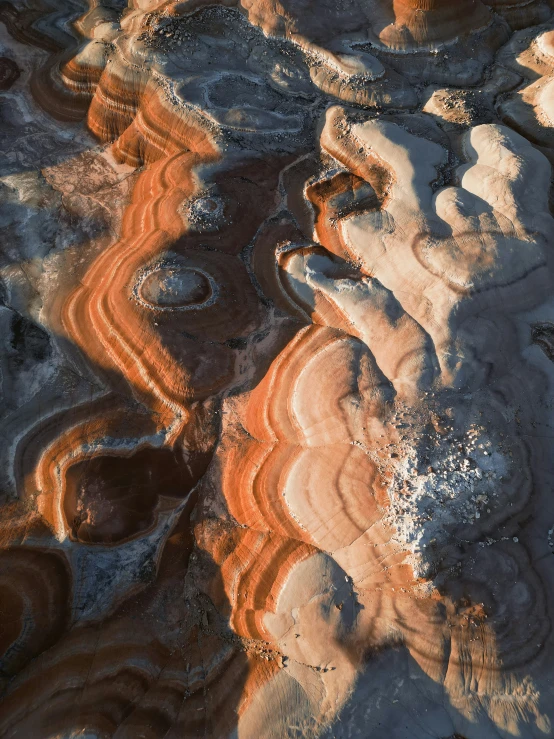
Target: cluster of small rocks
(206, 212)
(166, 32)
(448, 481)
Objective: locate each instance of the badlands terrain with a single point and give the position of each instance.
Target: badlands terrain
(277, 369)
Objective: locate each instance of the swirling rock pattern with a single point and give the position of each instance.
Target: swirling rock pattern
(277, 369)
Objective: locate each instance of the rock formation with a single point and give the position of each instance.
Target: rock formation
(277, 338)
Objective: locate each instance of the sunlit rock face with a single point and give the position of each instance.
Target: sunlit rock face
(276, 298)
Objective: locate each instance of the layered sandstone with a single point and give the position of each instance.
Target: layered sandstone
(277, 325)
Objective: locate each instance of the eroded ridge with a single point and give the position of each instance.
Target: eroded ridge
(277, 330)
(379, 435)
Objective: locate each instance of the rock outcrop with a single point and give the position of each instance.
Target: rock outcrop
(277, 343)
